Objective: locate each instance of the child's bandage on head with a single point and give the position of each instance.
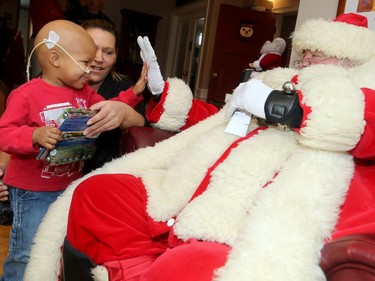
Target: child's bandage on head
(52, 40)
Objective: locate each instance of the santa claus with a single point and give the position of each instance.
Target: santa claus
(208, 205)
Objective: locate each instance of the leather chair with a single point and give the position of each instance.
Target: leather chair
(350, 258)
(134, 138)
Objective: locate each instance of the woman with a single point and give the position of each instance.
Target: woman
(108, 83)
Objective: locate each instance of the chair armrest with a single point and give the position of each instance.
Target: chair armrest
(350, 258)
(134, 138)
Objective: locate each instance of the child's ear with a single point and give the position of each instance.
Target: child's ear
(54, 58)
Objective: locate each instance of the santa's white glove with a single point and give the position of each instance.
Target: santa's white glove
(250, 97)
(155, 80)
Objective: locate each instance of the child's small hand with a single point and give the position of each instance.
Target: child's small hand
(142, 81)
(46, 136)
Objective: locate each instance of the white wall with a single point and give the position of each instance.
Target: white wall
(351, 6)
(314, 9)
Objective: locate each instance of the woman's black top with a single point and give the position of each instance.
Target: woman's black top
(108, 142)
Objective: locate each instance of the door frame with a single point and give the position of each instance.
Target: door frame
(184, 15)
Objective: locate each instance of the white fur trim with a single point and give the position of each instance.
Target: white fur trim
(212, 216)
(336, 121)
(161, 184)
(99, 273)
(285, 228)
(256, 64)
(276, 78)
(52, 231)
(45, 254)
(335, 39)
(363, 75)
(176, 106)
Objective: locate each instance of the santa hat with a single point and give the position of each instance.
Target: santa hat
(346, 37)
(174, 111)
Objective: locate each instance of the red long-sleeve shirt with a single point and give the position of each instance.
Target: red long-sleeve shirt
(33, 105)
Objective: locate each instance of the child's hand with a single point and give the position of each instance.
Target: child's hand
(46, 136)
(142, 81)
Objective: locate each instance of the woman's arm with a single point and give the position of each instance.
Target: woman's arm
(132, 118)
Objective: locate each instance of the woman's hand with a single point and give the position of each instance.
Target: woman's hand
(4, 159)
(4, 194)
(112, 114)
(3, 188)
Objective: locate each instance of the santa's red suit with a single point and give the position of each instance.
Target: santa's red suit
(208, 205)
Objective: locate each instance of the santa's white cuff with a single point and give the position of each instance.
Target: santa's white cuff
(258, 93)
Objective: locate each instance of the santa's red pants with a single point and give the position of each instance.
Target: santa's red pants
(109, 223)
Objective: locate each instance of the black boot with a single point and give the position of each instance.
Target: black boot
(76, 265)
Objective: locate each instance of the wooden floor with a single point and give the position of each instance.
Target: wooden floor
(4, 241)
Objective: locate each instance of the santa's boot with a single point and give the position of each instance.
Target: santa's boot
(76, 265)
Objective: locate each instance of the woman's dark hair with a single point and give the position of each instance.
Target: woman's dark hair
(103, 25)
(108, 27)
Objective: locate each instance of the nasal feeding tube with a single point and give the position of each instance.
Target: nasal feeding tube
(45, 41)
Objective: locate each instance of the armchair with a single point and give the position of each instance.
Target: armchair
(134, 138)
(350, 258)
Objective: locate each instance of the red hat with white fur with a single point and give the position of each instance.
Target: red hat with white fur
(346, 37)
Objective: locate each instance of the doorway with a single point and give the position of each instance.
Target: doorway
(191, 37)
(185, 43)
(240, 34)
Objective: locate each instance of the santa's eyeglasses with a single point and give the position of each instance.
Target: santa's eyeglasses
(301, 63)
(306, 62)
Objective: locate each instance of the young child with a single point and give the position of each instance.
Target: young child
(64, 51)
